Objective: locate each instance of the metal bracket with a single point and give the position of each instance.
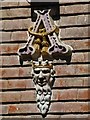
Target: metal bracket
(42, 47)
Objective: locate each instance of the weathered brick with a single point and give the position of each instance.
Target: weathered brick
(17, 3)
(15, 72)
(72, 1)
(71, 69)
(84, 94)
(5, 36)
(16, 24)
(74, 9)
(9, 13)
(80, 57)
(55, 107)
(86, 82)
(4, 109)
(70, 107)
(82, 44)
(67, 94)
(30, 108)
(28, 96)
(16, 84)
(5, 4)
(10, 96)
(7, 72)
(10, 48)
(74, 32)
(20, 35)
(11, 60)
(74, 20)
(79, 116)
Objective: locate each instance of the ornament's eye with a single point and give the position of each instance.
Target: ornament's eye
(36, 71)
(46, 71)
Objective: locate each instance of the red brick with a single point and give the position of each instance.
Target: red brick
(55, 107)
(8, 48)
(7, 72)
(11, 84)
(69, 107)
(28, 96)
(69, 82)
(78, 44)
(15, 72)
(16, 84)
(5, 36)
(30, 108)
(86, 82)
(67, 94)
(10, 60)
(83, 94)
(80, 57)
(64, 94)
(10, 97)
(71, 69)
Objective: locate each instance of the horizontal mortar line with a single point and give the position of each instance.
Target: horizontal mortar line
(61, 27)
(74, 14)
(75, 38)
(12, 18)
(61, 4)
(13, 42)
(10, 66)
(53, 88)
(71, 76)
(14, 30)
(70, 26)
(61, 15)
(61, 76)
(84, 50)
(49, 113)
(9, 54)
(29, 65)
(73, 51)
(52, 101)
(17, 7)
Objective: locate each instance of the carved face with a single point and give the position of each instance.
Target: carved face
(41, 76)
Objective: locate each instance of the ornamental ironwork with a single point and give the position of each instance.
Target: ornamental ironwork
(42, 47)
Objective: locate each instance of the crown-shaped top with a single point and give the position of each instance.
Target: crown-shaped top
(42, 64)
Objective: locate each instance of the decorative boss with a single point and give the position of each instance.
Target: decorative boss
(42, 47)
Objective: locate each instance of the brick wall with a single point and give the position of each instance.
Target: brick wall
(70, 97)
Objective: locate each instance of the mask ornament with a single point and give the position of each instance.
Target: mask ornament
(42, 47)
